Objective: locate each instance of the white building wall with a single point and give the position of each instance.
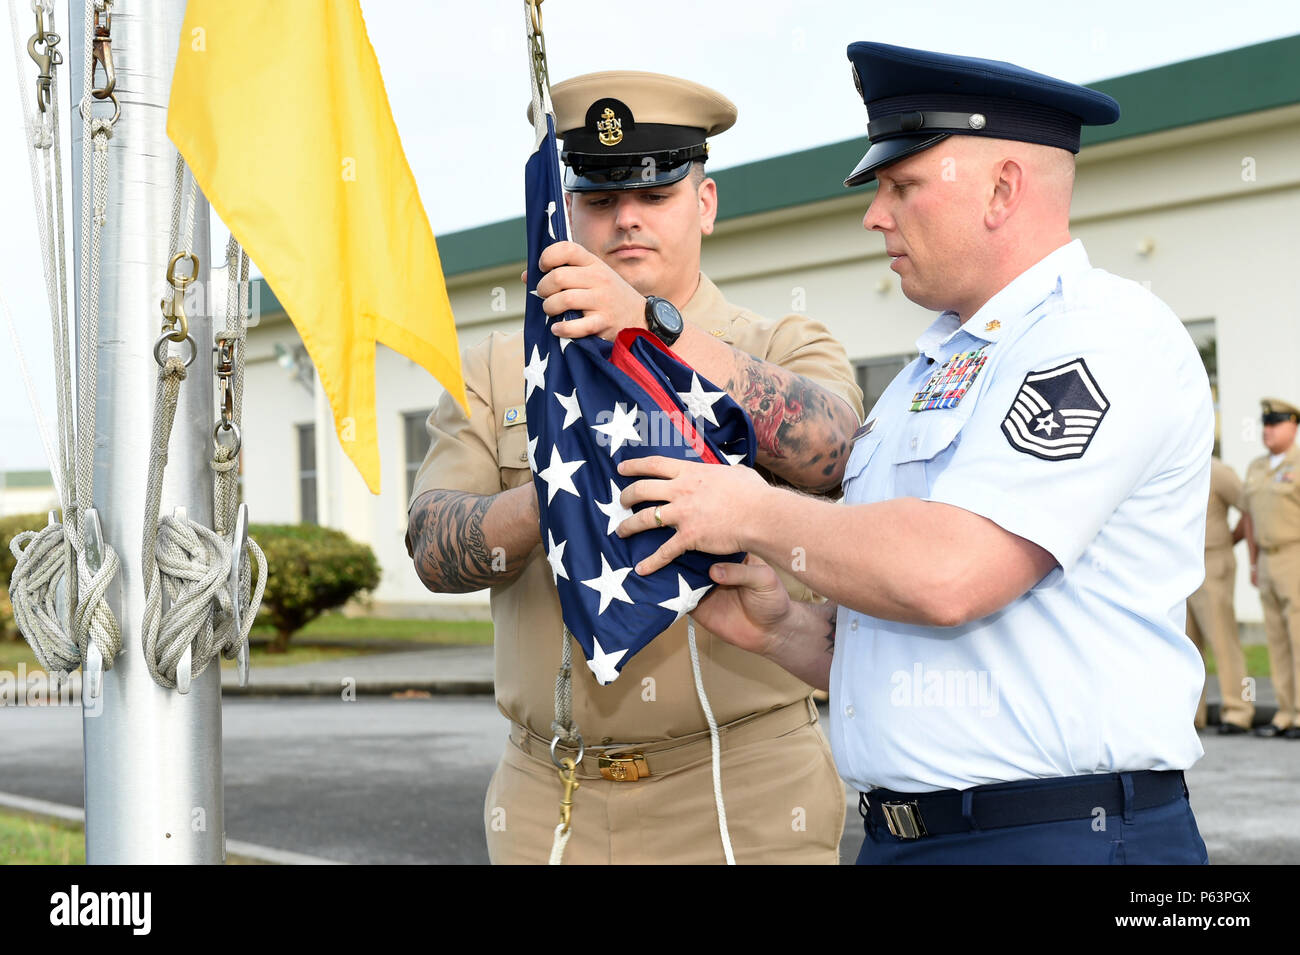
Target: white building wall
(1220, 246)
(27, 500)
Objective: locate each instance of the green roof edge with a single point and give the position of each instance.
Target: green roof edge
(1245, 80)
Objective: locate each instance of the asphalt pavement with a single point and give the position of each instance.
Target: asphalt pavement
(339, 766)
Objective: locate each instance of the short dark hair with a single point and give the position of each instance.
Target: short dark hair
(697, 173)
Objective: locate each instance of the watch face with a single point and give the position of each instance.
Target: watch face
(668, 317)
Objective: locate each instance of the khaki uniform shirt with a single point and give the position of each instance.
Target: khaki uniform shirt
(1225, 492)
(1271, 496)
(654, 697)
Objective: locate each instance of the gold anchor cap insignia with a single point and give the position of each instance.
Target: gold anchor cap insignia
(993, 326)
(610, 128)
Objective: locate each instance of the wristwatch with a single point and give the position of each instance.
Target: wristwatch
(662, 318)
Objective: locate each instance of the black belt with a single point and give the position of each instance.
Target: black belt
(1021, 803)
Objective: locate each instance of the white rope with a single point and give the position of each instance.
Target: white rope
(181, 557)
(225, 459)
(565, 731)
(561, 841)
(53, 559)
(563, 725)
(714, 743)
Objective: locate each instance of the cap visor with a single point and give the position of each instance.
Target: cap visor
(623, 177)
(888, 151)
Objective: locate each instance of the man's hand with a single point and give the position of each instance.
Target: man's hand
(709, 504)
(749, 608)
(579, 281)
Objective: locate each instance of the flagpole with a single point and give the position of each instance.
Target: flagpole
(153, 787)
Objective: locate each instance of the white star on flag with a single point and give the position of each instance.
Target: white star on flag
(614, 508)
(685, 600)
(559, 476)
(555, 557)
(700, 402)
(621, 429)
(535, 373)
(571, 410)
(733, 458)
(609, 584)
(604, 664)
(532, 455)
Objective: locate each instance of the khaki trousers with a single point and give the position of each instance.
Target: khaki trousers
(785, 804)
(1210, 616)
(1279, 592)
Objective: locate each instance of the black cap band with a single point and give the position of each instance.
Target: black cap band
(972, 116)
(1277, 417)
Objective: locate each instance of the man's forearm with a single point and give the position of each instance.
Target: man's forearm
(807, 643)
(904, 559)
(803, 430)
(463, 542)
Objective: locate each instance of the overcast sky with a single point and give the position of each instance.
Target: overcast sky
(456, 74)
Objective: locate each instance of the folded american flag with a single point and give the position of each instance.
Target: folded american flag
(589, 404)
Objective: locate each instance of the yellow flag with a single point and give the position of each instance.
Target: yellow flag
(280, 111)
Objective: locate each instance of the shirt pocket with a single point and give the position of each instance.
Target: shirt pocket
(859, 457)
(512, 456)
(922, 450)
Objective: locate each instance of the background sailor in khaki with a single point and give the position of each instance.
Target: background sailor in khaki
(640, 203)
(1210, 612)
(1270, 500)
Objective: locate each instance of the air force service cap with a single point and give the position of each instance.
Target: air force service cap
(916, 98)
(630, 130)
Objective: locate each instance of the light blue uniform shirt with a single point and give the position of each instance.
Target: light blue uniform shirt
(1105, 464)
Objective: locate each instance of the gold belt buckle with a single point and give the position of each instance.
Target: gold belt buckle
(623, 767)
(903, 819)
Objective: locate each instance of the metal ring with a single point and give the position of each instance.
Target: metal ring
(160, 349)
(577, 761)
(184, 280)
(117, 109)
(227, 426)
(659, 519)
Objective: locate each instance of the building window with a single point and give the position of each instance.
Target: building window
(875, 374)
(416, 441)
(307, 474)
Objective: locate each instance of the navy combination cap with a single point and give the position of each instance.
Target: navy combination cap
(628, 130)
(916, 98)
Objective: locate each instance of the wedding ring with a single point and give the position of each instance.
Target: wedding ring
(659, 518)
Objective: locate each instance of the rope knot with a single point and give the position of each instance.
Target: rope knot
(174, 367)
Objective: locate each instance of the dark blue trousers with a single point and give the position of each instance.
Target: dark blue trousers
(1161, 835)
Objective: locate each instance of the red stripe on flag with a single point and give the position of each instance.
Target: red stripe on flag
(623, 359)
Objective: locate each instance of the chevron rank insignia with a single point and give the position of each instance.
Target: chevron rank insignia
(1056, 412)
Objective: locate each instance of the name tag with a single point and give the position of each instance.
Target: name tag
(949, 384)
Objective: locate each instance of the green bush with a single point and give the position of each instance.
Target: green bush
(312, 569)
(10, 527)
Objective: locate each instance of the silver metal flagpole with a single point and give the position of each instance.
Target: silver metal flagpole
(152, 755)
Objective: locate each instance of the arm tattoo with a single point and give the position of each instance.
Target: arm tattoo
(451, 555)
(795, 420)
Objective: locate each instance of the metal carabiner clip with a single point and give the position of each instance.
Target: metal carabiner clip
(44, 61)
(102, 52)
